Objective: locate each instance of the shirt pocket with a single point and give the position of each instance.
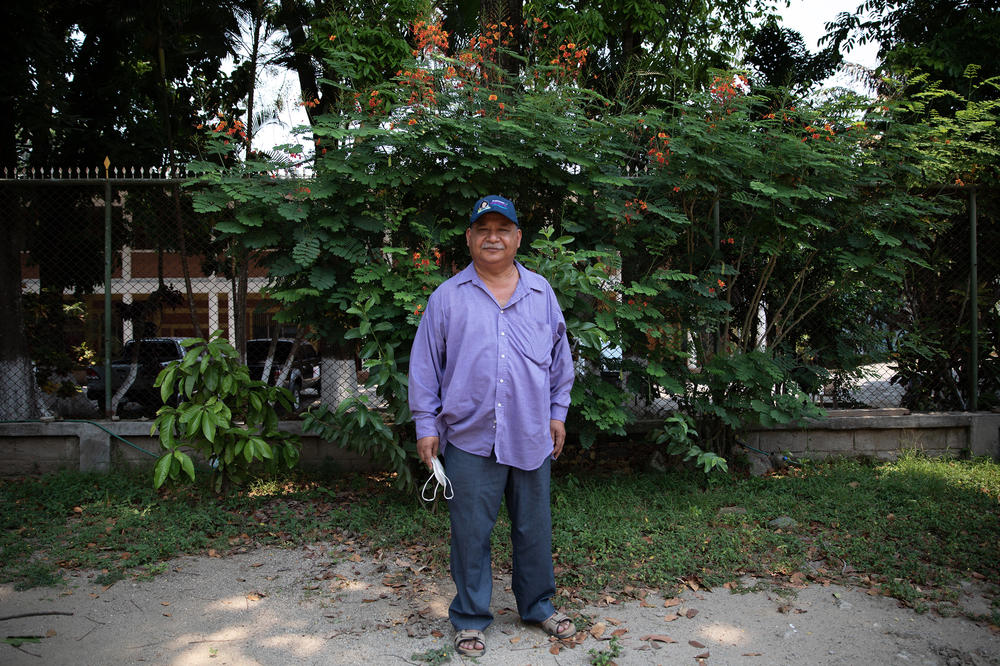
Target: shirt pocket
(537, 344)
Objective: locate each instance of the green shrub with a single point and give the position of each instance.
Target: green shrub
(222, 414)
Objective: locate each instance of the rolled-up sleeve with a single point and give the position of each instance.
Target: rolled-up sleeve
(426, 371)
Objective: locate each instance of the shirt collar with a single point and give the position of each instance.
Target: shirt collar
(526, 280)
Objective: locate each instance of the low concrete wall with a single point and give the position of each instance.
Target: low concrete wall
(38, 447)
(883, 433)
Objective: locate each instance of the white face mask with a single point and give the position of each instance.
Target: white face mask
(441, 481)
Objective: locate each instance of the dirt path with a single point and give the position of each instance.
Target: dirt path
(319, 605)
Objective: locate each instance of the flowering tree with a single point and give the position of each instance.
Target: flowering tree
(697, 238)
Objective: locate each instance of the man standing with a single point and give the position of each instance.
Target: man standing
(490, 379)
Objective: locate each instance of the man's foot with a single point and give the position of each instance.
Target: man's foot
(559, 625)
(470, 643)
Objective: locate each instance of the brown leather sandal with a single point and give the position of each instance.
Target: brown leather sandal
(551, 625)
(470, 635)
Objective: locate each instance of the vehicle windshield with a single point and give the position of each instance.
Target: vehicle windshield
(151, 350)
(257, 351)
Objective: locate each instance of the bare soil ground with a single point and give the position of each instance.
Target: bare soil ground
(327, 604)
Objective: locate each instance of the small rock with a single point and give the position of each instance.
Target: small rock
(732, 510)
(783, 522)
(844, 605)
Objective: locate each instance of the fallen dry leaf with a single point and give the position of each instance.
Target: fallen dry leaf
(437, 634)
(618, 633)
(696, 644)
(752, 654)
(212, 552)
(598, 630)
(673, 601)
(554, 649)
(691, 612)
(355, 558)
(50, 633)
(703, 655)
(671, 617)
(659, 638)
(164, 603)
(613, 620)
(854, 484)
(515, 639)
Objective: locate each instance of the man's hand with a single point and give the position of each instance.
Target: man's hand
(558, 431)
(427, 449)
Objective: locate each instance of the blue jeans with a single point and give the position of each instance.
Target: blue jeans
(480, 483)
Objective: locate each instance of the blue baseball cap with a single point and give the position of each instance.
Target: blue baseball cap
(494, 203)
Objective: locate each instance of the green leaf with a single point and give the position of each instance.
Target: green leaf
(187, 465)
(162, 469)
(306, 251)
(208, 425)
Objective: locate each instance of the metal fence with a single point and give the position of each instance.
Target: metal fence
(930, 343)
(103, 261)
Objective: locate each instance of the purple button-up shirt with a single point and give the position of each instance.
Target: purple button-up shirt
(486, 377)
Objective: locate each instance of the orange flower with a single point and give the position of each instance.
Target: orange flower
(721, 283)
(677, 188)
(493, 98)
(412, 121)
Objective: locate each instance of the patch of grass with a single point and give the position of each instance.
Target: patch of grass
(434, 656)
(911, 529)
(606, 657)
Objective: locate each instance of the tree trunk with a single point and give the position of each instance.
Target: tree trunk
(302, 62)
(20, 397)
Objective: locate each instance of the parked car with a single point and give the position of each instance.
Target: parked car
(304, 374)
(154, 355)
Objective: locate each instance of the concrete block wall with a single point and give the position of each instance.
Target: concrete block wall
(40, 447)
(883, 434)
(37, 447)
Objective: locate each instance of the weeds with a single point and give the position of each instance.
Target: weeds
(911, 529)
(434, 656)
(606, 657)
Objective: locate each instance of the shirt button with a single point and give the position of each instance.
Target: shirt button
(499, 404)
(502, 333)
(503, 355)
(501, 381)
(501, 312)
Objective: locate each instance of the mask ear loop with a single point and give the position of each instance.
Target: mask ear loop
(442, 481)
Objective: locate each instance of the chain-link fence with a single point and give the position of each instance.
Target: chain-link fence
(98, 332)
(113, 273)
(928, 342)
